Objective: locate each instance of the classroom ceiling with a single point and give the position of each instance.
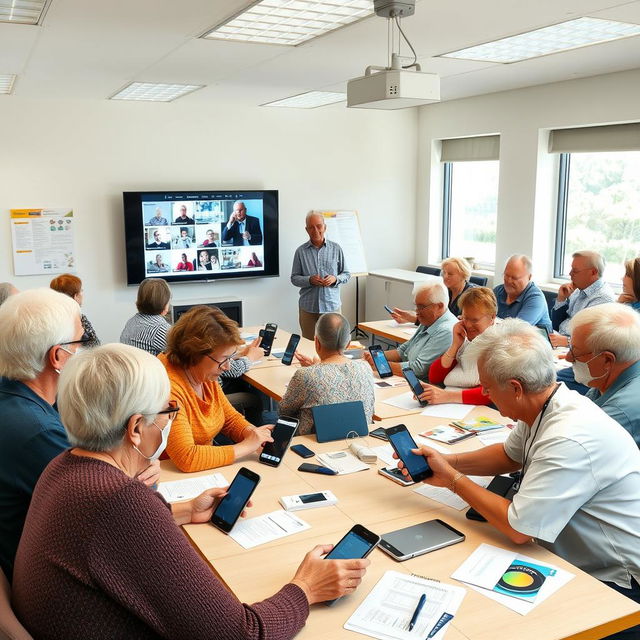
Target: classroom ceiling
(89, 49)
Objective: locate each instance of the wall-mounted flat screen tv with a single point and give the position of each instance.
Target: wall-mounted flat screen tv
(187, 236)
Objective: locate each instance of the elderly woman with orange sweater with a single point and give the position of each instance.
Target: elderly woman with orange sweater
(200, 347)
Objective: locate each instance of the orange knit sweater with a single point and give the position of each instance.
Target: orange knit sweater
(199, 421)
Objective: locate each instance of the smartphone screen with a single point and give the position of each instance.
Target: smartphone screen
(238, 494)
(388, 309)
(287, 358)
(414, 383)
(380, 361)
(308, 498)
(356, 544)
(268, 336)
(402, 442)
(273, 452)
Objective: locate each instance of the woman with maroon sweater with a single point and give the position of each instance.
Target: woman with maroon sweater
(102, 556)
(456, 367)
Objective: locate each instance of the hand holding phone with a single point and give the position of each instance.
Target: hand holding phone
(226, 514)
(273, 452)
(268, 336)
(380, 361)
(414, 384)
(287, 358)
(402, 443)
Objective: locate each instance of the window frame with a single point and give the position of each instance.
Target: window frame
(564, 170)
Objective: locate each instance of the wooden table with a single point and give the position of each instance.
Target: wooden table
(279, 344)
(384, 329)
(584, 608)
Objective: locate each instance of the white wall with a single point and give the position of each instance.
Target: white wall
(527, 191)
(84, 154)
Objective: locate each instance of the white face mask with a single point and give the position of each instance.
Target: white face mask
(163, 443)
(582, 374)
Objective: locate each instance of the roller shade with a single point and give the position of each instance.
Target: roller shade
(470, 149)
(615, 137)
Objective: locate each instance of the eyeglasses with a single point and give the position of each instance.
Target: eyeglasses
(473, 321)
(422, 307)
(582, 355)
(221, 363)
(171, 410)
(574, 271)
(84, 340)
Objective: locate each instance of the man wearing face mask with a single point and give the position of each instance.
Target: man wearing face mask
(605, 354)
(40, 330)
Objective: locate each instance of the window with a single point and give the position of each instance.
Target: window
(599, 209)
(470, 211)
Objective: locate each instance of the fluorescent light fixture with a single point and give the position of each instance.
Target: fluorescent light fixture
(290, 22)
(155, 92)
(22, 11)
(308, 100)
(572, 34)
(6, 82)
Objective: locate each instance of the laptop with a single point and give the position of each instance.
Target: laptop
(335, 421)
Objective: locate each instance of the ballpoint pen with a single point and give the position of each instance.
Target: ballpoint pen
(416, 613)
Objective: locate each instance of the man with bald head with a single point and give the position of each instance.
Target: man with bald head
(605, 353)
(318, 269)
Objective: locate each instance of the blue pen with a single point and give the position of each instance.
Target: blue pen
(444, 618)
(416, 613)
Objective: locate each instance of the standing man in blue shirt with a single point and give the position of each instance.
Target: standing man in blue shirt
(318, 269)
(519, 297)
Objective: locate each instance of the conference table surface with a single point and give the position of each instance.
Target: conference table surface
(388, 329)
(584, 608)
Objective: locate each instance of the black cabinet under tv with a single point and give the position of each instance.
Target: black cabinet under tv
(232, 307)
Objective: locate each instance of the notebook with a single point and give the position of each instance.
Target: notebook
(335, 421)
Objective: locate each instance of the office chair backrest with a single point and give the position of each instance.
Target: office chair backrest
(432, 271)
(481, 281)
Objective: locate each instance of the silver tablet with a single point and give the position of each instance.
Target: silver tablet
(410, 542)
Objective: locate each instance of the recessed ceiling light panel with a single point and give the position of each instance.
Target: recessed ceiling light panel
(290, 22)
(6, 82)
(22, 11)
(573, 34)
(308, 100)
(155, 92)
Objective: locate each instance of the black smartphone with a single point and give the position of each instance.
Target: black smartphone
(397, 476)
(380, 361)
(239, 492)
(379, 433)
(316, 468)
(287, 358)
(402, 443)
(415, 385)
(273, 452)
(268, 336)
(388, 309)
(302, 451)
(500, 485)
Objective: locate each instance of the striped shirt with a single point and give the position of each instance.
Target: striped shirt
(146, 332)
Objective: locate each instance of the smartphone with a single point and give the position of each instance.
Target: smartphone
(273, 452)
(379, 433)
(230, 507)
(268, 336)
(415, 385)
(380, 361)
(302, 451)
(387, 309)
(500, 485)
(397, 476)
(287, 358)
(402, 443)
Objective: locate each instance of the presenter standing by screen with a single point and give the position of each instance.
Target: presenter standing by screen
(318, 269)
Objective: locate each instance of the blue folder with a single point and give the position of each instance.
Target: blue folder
(335, 421)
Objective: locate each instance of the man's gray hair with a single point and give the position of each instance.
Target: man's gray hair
(333, 331)
(520, 257)
(614, 327)
(6, 290)
(513, 349)
(312, 214)
(101, 388)
(595, 260)
(436, 292)
(31, 322)
(244, 206)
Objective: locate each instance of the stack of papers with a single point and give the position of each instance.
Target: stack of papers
(479, 424)
(445, 496)
(342, 462)
(451, 411)
(403, 401)
(271, 526)
(190, 487)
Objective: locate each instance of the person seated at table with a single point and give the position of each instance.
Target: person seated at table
(330, 378)
(200, 346)
(630, 284)
(519, 296)
(455, 276)
(579, 493)
(432, 338)
(148, 329)
(103, 555)
(71, 285)
(456, 367)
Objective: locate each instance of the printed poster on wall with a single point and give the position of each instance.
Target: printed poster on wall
(42, 241)
(343, 228)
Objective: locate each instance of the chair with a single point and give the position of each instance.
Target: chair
(551, 298)
(10, 627)
(432, 271)
(481, 281)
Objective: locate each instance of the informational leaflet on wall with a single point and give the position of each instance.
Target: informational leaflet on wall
(42, 241)
(343, 228)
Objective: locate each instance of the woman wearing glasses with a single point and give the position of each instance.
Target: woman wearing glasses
(200, 347)
(456, 368)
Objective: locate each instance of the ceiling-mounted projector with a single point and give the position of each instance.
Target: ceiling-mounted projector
(394, 87)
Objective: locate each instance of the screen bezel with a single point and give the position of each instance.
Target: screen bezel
(372, 539)
(414, 384)
(391, 431)
(268, 336)
(281, 420)
(217, 521)
(134, 234)
(287, 356)
(378, 348)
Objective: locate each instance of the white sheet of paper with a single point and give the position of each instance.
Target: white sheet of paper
(395, 325)
(271, 526)
(403, 401)
(450, 411)
(444, 496)
(190, 487)
(343, 464)
(494, 437)
(385, 453)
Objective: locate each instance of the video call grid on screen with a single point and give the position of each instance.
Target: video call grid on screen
(187, 236)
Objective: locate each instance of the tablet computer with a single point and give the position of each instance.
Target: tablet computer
(410, 542)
